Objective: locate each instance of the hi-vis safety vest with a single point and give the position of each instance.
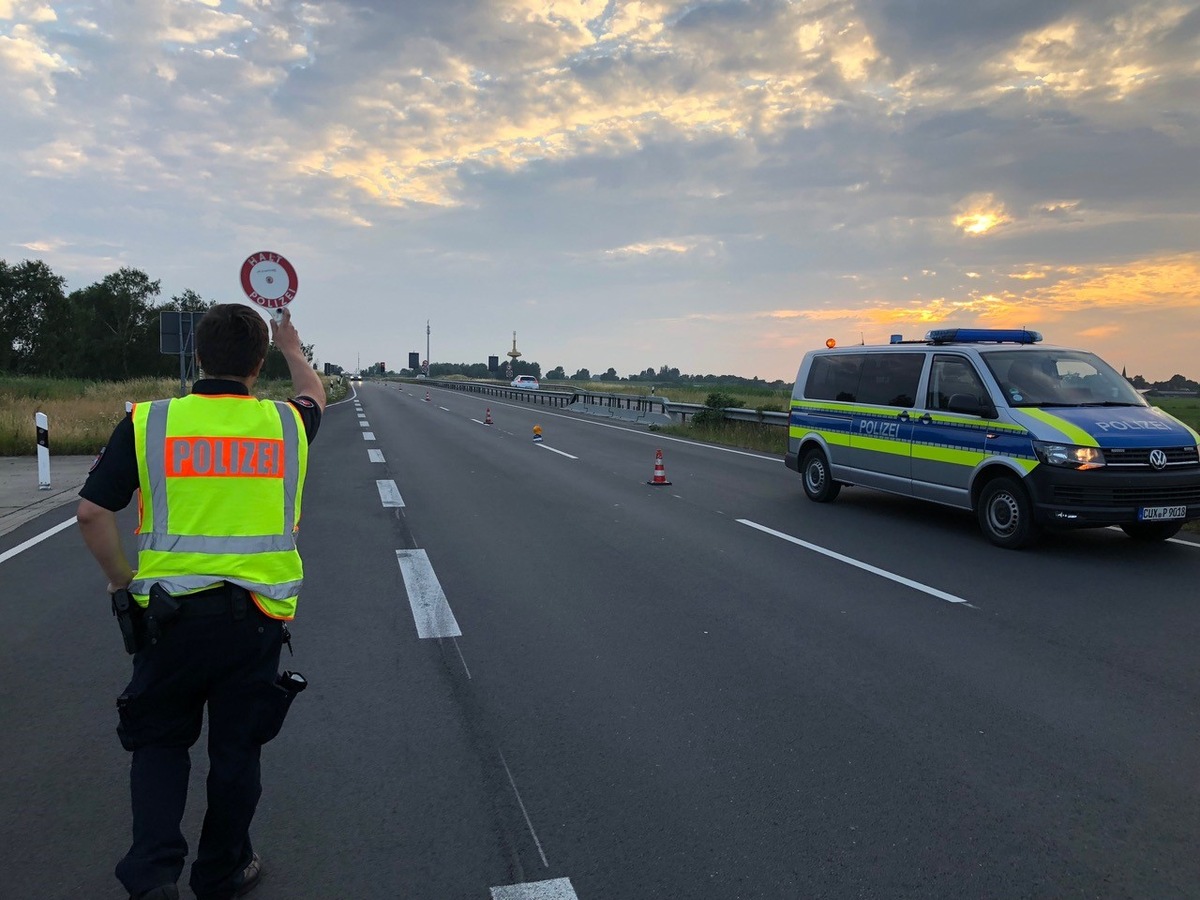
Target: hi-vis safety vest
(221, 478)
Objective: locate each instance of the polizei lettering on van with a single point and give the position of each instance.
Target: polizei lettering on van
(875, 428)
(1134, 425)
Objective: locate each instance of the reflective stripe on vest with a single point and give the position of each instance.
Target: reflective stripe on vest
(189, 458)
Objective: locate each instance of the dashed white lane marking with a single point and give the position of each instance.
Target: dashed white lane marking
(431, 611)
(850, 561)
(368, 435)
(654, 436)
(389, 494)
(36, 539)
(362, 415)
(375, 455)
(559, 452)
(555, 889)
(446, 408)
(364, 424)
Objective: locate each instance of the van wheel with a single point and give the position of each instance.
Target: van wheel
(1006, 514)
(818, 483)
(1152, 531)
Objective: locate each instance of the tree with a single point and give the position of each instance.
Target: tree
(556, 374)
(27, 291)
(610, 375)
(582, 375)
(114, 317)
(189, 301)
(276, 366)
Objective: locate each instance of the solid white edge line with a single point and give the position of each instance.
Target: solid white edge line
(36, 539)
(850, 561)
(554, 889)
(559, 452)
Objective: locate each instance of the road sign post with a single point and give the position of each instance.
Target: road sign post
(176, 334)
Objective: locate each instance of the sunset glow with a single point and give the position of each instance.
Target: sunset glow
(718, 185)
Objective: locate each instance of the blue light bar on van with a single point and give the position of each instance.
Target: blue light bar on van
(983, 336)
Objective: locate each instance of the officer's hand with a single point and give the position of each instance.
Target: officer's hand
(113, 588)
(284, 334)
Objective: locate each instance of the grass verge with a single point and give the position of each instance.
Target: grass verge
(83, 414)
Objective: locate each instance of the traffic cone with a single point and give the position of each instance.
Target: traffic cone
(660, 472)
(487, 419)
(537, 433)
(427, 397)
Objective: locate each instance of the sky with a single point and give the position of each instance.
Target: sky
(711, 186)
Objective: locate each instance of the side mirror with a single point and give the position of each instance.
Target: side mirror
(969, 405)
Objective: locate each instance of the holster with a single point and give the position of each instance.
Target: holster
(129, 619)
(274, 702)
(161, 611)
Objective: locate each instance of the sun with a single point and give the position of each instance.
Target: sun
(980, 213)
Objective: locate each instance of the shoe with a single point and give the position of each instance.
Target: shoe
(162, 892)
(250, 876)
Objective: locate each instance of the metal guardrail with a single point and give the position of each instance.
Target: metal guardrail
(628, 406)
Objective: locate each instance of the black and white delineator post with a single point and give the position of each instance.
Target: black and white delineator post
(43, 450)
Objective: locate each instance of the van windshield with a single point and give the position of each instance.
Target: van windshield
(1050, 377)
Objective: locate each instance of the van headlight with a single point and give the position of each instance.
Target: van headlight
(1069, 455)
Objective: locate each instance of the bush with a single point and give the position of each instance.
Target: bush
(712, 414)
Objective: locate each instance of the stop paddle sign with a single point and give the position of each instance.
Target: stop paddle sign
(270, 281)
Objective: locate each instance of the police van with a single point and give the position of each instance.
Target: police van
(1026, 435)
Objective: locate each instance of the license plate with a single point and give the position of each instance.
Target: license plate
(1157, 513)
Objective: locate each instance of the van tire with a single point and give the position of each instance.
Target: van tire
(1152, 531)
(1006, 513)
(818, 482)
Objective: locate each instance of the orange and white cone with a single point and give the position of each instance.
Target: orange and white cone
(487, 419)
(660, 471)
(427, 397)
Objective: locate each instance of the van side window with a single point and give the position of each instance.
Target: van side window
(834, 377)
(952, 375)
(890, 379)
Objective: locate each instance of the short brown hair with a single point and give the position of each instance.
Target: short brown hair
(231, 339)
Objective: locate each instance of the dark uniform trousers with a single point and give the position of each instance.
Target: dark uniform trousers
(223, 652)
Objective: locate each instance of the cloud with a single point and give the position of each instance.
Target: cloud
(767, 167)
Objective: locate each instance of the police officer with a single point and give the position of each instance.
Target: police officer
(221, 476)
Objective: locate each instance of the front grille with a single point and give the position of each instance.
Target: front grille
(1139, 457)
(1167, 495)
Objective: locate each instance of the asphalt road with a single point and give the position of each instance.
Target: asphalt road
(712, 689)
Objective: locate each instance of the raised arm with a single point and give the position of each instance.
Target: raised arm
(305, 381)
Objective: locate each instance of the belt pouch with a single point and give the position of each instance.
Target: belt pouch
(274, 702)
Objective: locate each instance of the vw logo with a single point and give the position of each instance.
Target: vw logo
(1158, 459)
